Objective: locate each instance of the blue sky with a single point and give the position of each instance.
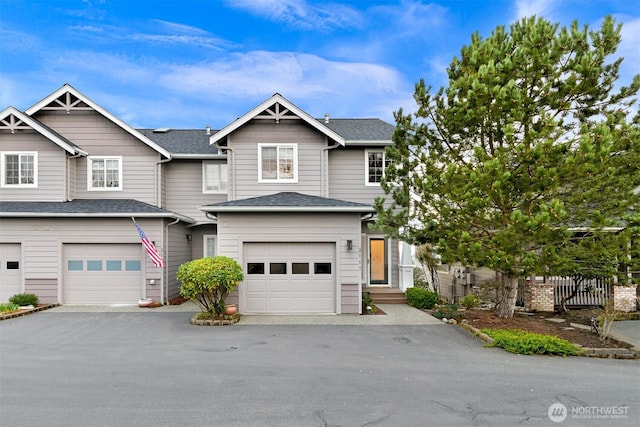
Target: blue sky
(186, 64)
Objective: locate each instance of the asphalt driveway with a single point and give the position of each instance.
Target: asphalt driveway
(154, 369)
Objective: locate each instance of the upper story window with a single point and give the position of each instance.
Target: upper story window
(215, 177)
(277, 163)
(19, 169)
(104, 173)
(376, 163)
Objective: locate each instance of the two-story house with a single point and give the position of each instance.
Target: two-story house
(286, 195)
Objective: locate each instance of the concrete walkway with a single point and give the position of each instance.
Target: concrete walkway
(396, 314)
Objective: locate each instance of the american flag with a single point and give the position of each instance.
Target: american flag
(155, 256)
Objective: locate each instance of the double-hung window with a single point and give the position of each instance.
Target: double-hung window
(19, 169)
(215, 177)
(104, 173)
(376, 162)
(278, 163)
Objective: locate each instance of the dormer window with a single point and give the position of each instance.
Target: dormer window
(19, 169)
(104, 173)
(278, 163)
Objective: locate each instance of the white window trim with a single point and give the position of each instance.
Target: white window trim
(3, 178)
(293, 180)
(205, 238)
(204, 179)
(366, 166)
(90, 186)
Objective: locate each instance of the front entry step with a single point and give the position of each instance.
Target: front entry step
(386, 295)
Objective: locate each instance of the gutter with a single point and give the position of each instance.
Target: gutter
(95, 215)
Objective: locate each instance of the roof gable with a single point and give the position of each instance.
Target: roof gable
(14, 120)
(69, 99)
(276, 108)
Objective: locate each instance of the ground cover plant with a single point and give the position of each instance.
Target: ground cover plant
(523, 342)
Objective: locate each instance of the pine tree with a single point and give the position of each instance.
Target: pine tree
(530, 139)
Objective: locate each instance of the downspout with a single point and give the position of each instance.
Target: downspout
(164, 291)
(324, 187)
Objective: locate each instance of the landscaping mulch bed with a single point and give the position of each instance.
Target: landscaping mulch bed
(539, 323)
(23, 311)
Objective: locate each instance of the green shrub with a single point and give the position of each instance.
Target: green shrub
(470, 301)
(8, 308)
(522, 342)
(24, 299)
(449, 311)
(208, 281)
(421, 298)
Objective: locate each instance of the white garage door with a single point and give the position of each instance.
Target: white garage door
(10, 268)
(102, 274)
(290, 277)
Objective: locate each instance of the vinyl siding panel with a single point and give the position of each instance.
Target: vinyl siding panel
(347, 176)
(184, 192)
(351, 298)
(245, 142)
(51, 171)
(46, 289)
(101, 137)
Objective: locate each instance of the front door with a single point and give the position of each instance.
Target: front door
(378, 261)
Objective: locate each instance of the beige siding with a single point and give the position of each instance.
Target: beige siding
(184, 191)
(244, 143)
(236, 229)
(351, 299)
(46, 289)
(179, 253)
(347, 176)
(51, 168)
(100, 137)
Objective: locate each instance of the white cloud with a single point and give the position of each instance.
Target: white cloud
(409, 19)
(630, 47)
(300, 14)
(540, 8)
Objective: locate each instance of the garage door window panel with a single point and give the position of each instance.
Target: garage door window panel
(300, 268)
(132, 265)
(278, 268)
(94, 265)
(73, 265)
(13, 265)
(322, 268)
(255, 268)
(114, 265)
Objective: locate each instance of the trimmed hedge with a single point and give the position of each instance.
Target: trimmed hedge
(523, 342)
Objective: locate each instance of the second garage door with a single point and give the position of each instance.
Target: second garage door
(290, 277)
(102, 274)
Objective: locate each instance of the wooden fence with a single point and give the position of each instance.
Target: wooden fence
(592, 292)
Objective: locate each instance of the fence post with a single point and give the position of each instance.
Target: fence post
(538, 296)
(624, 298)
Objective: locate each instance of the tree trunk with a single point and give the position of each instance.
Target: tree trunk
(507, 303)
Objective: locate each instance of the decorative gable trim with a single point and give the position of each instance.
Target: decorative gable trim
(69, 99)
(276, 108)
(15, 120)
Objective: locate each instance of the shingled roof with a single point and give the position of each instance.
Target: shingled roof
(288, 202)
(87, 208)
(361, 130)
(182, 142)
